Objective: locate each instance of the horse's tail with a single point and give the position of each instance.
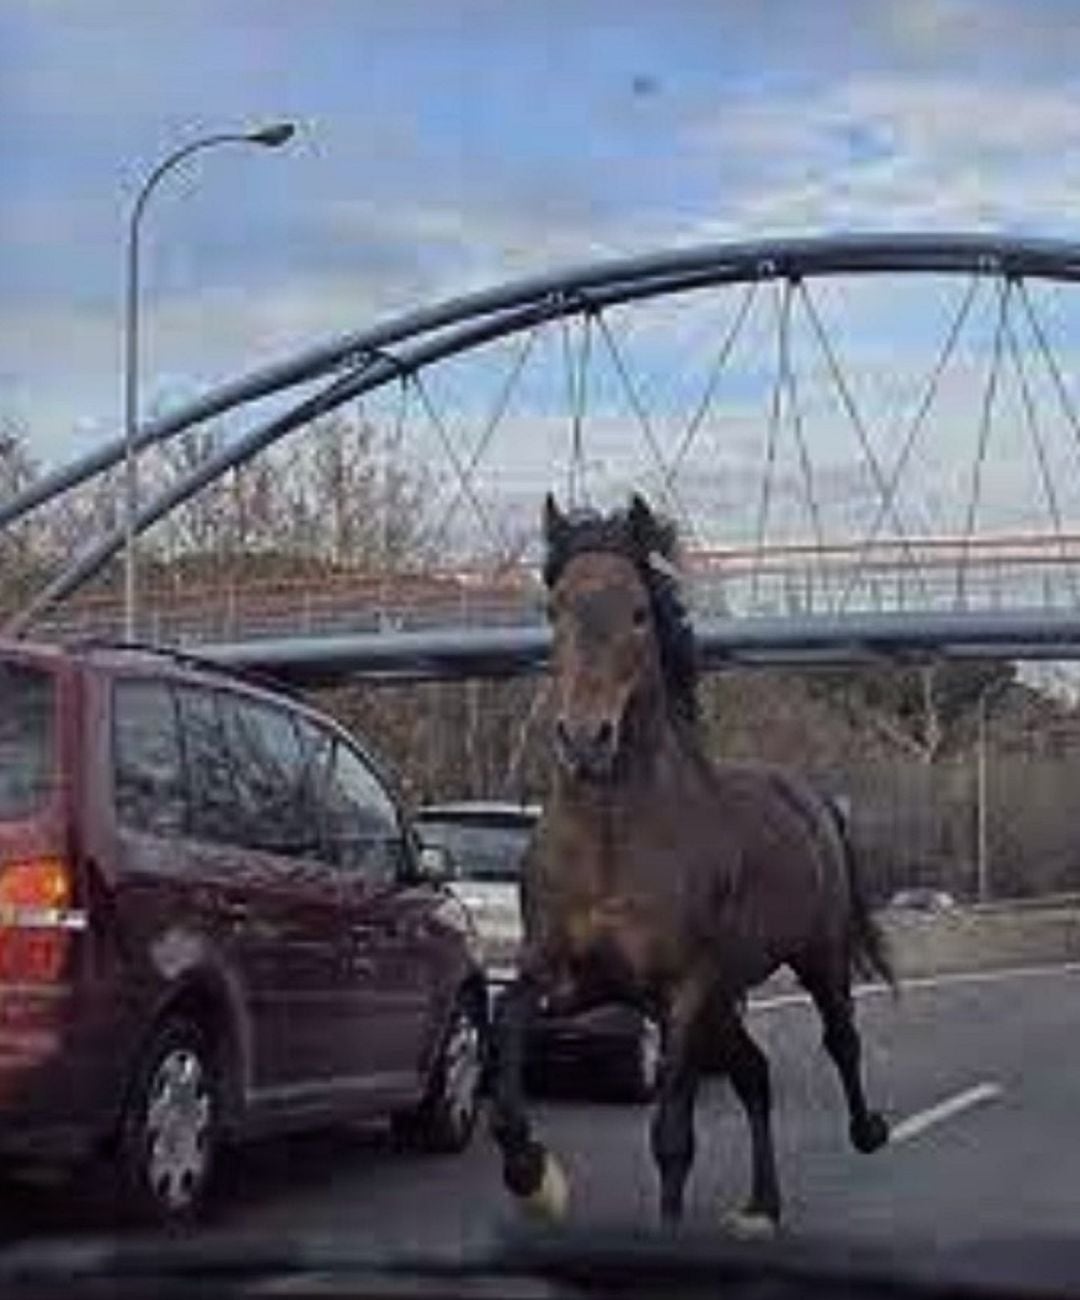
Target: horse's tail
(869, 950)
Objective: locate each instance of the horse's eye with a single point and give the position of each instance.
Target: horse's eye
(641, 615)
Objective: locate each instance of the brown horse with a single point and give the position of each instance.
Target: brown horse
(662, 880)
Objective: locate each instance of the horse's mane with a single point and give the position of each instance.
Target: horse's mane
(651, 543)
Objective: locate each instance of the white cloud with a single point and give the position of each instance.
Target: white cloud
(978, 35)
(931, 149)
(61, 365)
(890, 151)
(481, 241)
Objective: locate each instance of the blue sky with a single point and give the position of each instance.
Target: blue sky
(446, 143)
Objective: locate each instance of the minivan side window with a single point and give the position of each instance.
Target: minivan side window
(317, 747)
(148, 771)
(269, 774)
(27, 726)
(211, 794)
(361, 822)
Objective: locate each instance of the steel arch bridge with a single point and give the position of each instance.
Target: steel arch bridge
(402, 350)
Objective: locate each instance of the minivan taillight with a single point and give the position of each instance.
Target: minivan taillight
(36, 920)
(40, 883)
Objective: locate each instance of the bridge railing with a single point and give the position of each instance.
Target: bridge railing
(310, 606)
(928, 573)
(923, 574)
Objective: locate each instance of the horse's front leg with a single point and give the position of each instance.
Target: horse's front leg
(748, 1070)
(530, 1172)
(672, 1132)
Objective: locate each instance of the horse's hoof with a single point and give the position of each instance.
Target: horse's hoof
(871, 1134)
(551, 1196)
(750, 1225)
(670, 1218)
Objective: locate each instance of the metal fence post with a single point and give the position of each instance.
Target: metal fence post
(982, 848)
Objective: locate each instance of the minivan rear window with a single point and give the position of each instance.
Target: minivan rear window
(27, 709)
(480, 850)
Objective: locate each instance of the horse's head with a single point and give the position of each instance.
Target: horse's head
(606, 576)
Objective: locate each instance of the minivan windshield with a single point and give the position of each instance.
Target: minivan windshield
(26, 739)
(488, 851)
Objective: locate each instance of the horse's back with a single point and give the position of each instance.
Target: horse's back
(777, 794)
(792, 875)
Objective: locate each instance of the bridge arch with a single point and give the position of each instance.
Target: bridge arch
(363, 361)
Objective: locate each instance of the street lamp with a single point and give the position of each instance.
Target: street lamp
(269, 137)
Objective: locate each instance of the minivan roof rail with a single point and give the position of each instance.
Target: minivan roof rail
(191, 658)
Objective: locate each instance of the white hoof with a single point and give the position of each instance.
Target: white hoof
(750, 1227)
(552, 1197)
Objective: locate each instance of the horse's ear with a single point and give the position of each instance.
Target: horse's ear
(652, 535)
(555, 523)
(643, 525)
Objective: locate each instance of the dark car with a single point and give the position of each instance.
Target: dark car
(484, 844)
(214, 923)
(921, 898)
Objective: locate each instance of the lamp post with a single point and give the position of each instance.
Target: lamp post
(269, 137)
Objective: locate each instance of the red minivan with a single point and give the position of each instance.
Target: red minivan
(214, 922)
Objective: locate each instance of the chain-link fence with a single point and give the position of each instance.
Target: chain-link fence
(991, 817)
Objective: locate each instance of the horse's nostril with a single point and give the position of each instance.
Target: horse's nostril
(589, 746)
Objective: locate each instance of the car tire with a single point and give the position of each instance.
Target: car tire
(445, 1119)
(635, 1071)
(167, 1141)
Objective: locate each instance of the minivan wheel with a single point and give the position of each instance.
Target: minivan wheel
(168, 1133)
(445, 1119)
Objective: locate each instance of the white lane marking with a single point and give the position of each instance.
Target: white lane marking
(924, 1119)
(926, 982)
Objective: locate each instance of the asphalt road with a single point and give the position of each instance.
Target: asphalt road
(1006, 1166)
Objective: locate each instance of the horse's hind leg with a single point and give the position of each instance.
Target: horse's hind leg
(529, 1171)
(826, 978)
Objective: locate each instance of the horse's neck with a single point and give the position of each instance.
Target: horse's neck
(661, 758)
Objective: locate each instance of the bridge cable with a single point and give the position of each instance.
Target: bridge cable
(490, 428)
(392, 451)
(638, 407)
(697, 416)
(985, 421)
(347, 456)
(847, 401)
(704, 405)
(577, 375)
(922, 410)
(795, 418)
(1035, 433)
(91, 559)
(390, 467)
(772, 437)
(577, 378)
(1052, 366)
(438, 424)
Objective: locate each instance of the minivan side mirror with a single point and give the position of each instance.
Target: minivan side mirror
(434, 863)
